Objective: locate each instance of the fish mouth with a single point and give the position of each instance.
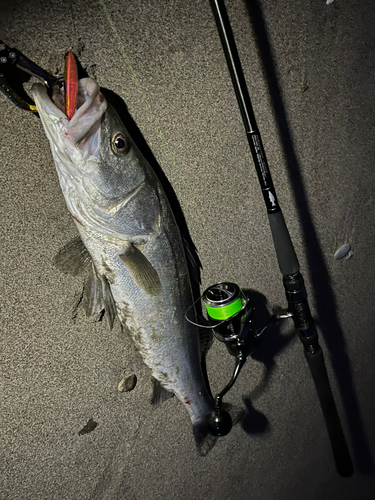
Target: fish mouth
(82, 132)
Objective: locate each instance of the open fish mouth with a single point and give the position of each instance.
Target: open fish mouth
(83, 130)
(58, 97)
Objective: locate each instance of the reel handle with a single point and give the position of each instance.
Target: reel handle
(219, 422)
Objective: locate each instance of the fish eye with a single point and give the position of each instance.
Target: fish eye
(120, 144)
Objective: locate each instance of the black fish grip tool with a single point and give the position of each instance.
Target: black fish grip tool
(13, 67)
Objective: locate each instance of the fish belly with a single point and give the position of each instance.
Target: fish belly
(167, 342)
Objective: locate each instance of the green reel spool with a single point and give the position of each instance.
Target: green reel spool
(223, 301)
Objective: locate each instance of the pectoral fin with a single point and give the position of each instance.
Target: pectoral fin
(141, 271)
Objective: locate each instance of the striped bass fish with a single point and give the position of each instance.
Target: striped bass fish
(128, 234)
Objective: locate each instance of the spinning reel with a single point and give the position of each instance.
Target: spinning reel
(230, 316)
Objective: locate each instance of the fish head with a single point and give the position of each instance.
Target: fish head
(77, 139)
(101, 172)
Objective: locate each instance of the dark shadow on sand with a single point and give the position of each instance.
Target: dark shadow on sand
(271, 343)
(318, 273)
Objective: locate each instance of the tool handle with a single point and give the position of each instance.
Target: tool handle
(340, 449)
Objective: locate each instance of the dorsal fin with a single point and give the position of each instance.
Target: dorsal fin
(193, 262)
(206, 336)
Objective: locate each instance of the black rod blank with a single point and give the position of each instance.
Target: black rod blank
(287, 259)
(286, 255)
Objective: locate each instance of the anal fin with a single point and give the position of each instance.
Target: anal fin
(159, 393)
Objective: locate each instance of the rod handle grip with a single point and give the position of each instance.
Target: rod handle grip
(286, 256)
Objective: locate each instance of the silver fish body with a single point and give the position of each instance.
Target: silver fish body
(126, 224)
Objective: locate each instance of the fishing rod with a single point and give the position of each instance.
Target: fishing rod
(230, 313)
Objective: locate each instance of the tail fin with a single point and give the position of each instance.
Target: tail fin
(203, 440)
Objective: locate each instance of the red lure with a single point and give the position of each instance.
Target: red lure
(71, 85)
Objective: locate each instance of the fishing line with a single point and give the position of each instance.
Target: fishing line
(161, 136)
(226, 313)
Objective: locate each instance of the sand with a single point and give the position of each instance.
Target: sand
(310, 72)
